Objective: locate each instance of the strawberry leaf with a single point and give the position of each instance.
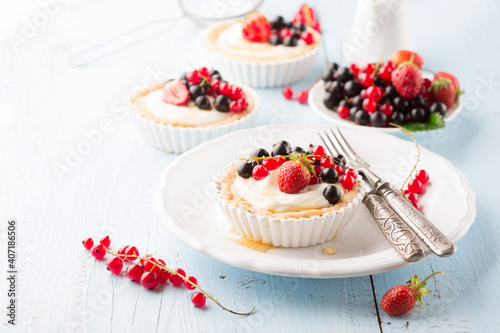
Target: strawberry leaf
(435, 121)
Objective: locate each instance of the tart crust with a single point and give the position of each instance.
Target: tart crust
(136, 106)
(210, 35)
(228, 176)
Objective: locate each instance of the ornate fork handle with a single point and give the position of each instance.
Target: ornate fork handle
(397, 233)
(430, 235)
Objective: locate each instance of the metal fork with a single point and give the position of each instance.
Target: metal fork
(412, 217)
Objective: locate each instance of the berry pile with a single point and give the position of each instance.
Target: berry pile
(390, 92)
(298, 168)
(256, 28)
(206, 89)
(416, 187)
(148, 271)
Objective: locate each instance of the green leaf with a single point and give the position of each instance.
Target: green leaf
(435, 121)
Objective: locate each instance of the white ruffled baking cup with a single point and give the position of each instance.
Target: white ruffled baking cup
(178, 139)
(265, 73)
(291, 232)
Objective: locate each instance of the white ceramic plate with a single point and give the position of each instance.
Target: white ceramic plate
(186, 203)
(315, 100)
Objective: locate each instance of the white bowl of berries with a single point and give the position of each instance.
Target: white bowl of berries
(376, 96)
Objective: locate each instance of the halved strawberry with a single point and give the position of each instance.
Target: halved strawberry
(256, 27)
(175, 92)
(401, 56)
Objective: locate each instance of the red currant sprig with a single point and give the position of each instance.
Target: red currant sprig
(150, 271)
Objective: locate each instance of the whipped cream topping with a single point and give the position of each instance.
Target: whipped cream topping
(231, 41)
(187, 114)
(265, 194)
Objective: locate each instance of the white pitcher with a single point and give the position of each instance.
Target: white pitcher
(379, 27)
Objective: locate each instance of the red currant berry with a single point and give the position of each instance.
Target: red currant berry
(387, 108)
(301, 97)
(114, 265)
(259, 172)
(374, 93)
(150, 266)
(319, 150)
(385, 73)
(131, 251)
(162, 273)
(134, 272)
(215, 85)
(369, 69)
(369, 105)
(338, 168)
(391, 65)
(348, 182)
(281, 161)
(106, 241)
(343, 112)
(225, 89)
(88, 243)
(236, 93)
(122, 250)
(413, 197)
(234, 107)
(288, 93)
(270, 164)
(307, 37)
(354, 68)
(175, 279)
(205, 72)
(194, 77)
(314, 179)
(149, 280)
(365, 80)
(422, 176)
(326, 162)
(98, 251)
(414, 186)
(352, 173)
(362, 94)
(198, 299)
(426, 84)
(243, 104)
(189, 285)
(285, 32)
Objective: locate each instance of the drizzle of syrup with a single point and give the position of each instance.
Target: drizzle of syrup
(253, 245)
(329, 251)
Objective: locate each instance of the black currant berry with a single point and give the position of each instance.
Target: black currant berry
(278, 23)
(352, 112)
(259, 152)
(299, 150)
(327, 75)
(333, 67)
(333, 194)
(439, 108)
(221, 103)
(352, 88)
(417, 102)
(275, 40)
(357, 101)
(378, 119)
(300, 26)
(203, 103)
(331, 100)
(290, 41)
(344, 74)
(378, 81)
(398, 118)
(329, 175)
(361, 118)
(335, 87)
(245, 168)
(281, 148)
(195, 91)
(340, 160)
(401, 105)
(345, 102)
(391, 92)
(419, 115)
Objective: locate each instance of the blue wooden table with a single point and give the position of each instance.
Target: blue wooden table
(51, 106)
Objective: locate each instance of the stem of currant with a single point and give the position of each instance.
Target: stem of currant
(171, 271)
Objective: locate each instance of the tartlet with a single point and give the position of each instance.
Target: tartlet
(261, 63)
(258, 209)
(171, 119)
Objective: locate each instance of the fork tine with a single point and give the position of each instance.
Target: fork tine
(347, 145)
(340, 147)
(331, 148)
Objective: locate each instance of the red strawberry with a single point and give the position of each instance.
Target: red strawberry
(454, 80)
(401, 56)
(407, 79)
(175, 92)
(256, 27)
(443, 90)
(293, 176)
(401, 299)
